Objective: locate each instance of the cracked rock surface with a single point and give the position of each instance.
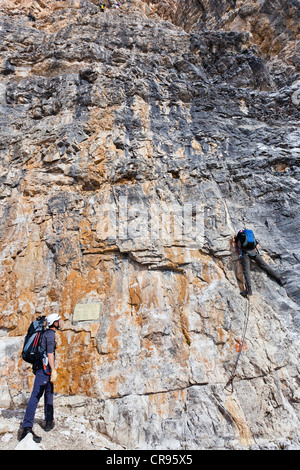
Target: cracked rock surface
(134, 144)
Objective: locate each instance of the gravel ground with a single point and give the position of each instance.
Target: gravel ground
(71, 432)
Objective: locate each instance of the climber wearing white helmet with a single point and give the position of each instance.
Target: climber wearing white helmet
(45, 375)
(51, 319)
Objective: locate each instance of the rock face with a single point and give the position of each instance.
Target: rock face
(134, 144)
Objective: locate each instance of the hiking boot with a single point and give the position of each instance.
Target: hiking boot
(247, 292)
(49, 426)
(34, 436)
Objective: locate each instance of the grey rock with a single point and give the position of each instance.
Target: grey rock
(132, 150)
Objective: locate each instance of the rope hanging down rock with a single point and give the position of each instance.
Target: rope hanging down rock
(233, 373)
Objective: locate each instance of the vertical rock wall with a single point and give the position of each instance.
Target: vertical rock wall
(131, 151)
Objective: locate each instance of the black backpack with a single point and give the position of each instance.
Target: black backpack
(32, 350)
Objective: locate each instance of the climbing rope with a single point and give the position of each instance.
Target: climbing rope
(233, 373)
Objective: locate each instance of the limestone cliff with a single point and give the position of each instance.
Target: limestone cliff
(134, 144)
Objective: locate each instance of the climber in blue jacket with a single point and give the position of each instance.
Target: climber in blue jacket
(248, 249)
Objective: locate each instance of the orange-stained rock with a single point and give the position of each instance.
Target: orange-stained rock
(134, 144)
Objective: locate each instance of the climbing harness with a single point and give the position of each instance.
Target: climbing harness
(233, 373)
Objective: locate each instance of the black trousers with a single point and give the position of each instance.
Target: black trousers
(42, 386)
(246, 261)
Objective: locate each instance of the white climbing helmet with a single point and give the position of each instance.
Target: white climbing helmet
(52, 318)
